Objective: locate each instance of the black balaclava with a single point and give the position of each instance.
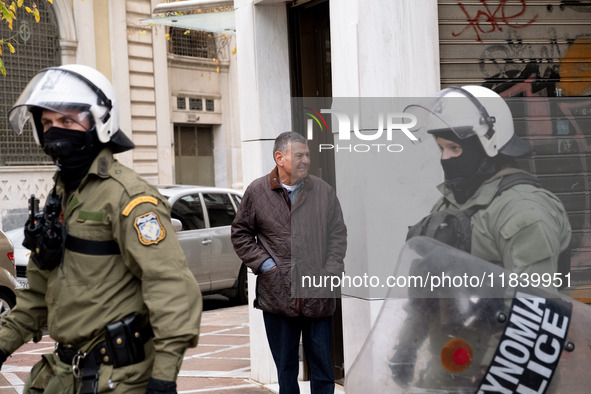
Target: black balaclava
(465, 173)
(72, 151)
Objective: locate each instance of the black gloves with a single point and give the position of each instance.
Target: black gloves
(3, 357)
(157, 386)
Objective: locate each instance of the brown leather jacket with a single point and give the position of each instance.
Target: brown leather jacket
(306, 240)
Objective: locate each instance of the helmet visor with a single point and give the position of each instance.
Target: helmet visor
(449, 110)
(54, 90)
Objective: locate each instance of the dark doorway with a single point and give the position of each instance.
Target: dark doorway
(311, 76)
(311, 80)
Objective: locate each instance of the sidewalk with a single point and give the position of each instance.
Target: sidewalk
(220, 364)
(221, 361)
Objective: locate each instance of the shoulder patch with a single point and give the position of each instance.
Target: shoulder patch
(149, 228)
(137, 201)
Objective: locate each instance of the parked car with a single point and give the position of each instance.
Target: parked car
(8, 285)
(201, 217)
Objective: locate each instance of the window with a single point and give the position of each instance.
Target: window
(192, 43)
(189, 211)
(195, 104)
(237, 200)
(37, 47)
(181, 103)
(219, 209)
(209, 105)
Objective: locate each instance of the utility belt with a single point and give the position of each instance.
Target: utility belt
(123, 345)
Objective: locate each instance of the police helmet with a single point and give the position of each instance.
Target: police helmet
(472, 111)
(71, 89)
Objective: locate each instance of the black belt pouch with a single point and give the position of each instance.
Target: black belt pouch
(125, 341)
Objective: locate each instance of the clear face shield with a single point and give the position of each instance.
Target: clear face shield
(57, 91)
(74, 117)
(452, 109)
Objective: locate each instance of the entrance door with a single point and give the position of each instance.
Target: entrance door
(193, 155)
(311, 76)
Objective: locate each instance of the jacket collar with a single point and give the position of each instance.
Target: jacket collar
(274, 182)
(99, 167)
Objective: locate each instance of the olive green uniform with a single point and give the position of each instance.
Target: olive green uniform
(86, 292)
(526, 228)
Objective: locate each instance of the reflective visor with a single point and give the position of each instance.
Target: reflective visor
(55, 90)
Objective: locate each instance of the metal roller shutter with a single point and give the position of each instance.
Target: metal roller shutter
(539, 51)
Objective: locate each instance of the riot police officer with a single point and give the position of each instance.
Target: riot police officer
(116, 294)
(489, 207)
(512, 221)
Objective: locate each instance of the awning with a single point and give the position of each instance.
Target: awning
(215, 22)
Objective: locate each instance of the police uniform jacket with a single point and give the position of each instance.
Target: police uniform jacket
(93, 287)
(525, 228)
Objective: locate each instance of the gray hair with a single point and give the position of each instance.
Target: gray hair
(285, 138)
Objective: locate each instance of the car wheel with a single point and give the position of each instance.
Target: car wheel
(241, 297)
(7, 302)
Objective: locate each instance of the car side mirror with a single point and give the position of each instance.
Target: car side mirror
(176, 225)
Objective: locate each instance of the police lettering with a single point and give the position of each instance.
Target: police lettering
(530, 347)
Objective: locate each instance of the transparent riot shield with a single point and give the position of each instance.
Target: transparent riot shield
(453, 323)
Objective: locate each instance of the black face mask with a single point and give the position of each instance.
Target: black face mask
(72, 151)
(465, 173)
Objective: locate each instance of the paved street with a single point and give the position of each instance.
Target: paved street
(220, 364)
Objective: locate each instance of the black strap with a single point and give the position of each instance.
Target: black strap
(507, 182)
(90, 366)
(95, 248)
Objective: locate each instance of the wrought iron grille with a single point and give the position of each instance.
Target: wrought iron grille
(192, 43)
(181, 103)
(37, 47)
(195, 104)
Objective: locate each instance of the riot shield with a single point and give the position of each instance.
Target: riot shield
(453, 323)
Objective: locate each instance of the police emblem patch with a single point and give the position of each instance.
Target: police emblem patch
(149, 229)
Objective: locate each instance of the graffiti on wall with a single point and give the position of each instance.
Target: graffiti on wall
(515, 69)
(488, 19)
(516, 60)
(540, 78)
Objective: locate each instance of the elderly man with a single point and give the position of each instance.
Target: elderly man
(290, 225)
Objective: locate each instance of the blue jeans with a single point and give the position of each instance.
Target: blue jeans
(283, 334)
